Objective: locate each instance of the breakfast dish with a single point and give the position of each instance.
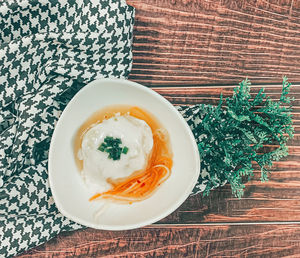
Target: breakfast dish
(157, 183)
(123, 154)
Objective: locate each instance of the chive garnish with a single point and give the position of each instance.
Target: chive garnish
(112, 147)
(102, 147)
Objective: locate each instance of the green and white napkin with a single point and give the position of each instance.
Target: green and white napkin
(50, 49)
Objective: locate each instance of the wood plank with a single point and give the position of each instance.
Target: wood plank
(210, 95)
(176, 241)
(186, 42)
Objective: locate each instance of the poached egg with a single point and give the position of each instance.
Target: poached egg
(134, 133)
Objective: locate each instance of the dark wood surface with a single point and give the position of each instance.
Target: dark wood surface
(190, 51)
(177, 241)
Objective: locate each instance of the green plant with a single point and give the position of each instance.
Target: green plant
(235, 131)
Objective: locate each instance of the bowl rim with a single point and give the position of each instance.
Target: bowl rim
(162, 215)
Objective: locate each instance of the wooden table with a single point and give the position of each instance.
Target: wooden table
(190, 51)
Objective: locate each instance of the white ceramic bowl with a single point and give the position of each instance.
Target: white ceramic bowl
(70, 193)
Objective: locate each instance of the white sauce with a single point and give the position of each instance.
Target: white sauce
(97, 167)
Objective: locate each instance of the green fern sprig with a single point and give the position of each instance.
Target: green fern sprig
(236, 130)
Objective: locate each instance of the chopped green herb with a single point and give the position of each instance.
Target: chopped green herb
(125, 150)
(112, 147)
(234, 132)
(102, 147)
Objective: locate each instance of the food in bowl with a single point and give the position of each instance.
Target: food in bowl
(123, 154)
(69, 191)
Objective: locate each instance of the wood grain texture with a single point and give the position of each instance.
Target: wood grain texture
(199, 42)
(190, 51)
(177, 241)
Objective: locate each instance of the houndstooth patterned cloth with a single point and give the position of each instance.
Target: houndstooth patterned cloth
(49, 49)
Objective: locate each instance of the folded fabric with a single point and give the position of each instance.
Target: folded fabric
(48, 51)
